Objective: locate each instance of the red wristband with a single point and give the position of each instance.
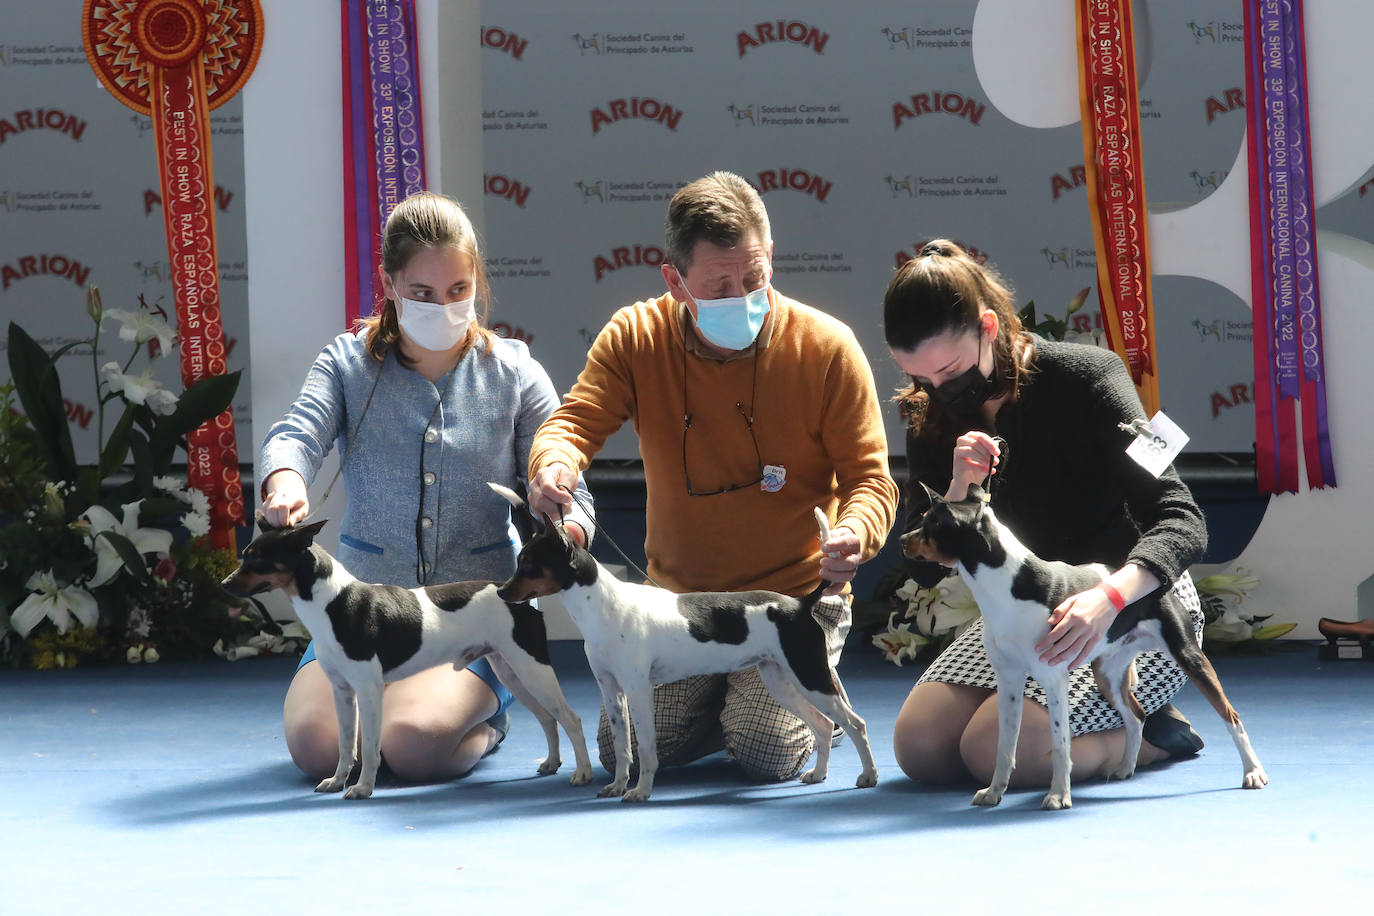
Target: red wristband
(1113, 595)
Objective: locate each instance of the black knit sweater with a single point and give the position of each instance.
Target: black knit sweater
(1065, 485)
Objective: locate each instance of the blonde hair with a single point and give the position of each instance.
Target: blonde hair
(425, 220)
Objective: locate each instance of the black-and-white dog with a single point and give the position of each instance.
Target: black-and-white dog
(1016, 591)
(368, 635)
(636, 636)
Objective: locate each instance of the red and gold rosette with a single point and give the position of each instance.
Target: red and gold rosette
(176, 61)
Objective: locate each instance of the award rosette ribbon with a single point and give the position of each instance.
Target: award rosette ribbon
(1285, 289)
(1110, 102)
(175, 61)
(383, 140)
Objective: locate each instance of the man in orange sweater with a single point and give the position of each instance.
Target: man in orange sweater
(751, 410)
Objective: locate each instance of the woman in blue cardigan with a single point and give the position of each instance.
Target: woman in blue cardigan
(426, 406)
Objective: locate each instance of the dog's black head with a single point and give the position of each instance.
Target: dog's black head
(549, 563)
(273, 559)
(962, 531)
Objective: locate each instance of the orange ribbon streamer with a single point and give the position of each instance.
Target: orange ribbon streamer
(176, 61)
(1110, 103)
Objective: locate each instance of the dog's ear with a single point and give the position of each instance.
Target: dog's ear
(978, 493)
(263, 524)
(930, 494)
(302, 536)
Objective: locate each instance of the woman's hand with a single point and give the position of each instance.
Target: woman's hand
(840, 559)
(975, 457)
(284, 500)
(1076, 626)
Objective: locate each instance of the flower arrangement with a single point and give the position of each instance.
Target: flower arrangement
(921, 622)
(1231, 624)
(110, 561)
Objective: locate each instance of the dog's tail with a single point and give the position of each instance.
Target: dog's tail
(823, 521)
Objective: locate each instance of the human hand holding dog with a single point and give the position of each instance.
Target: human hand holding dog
(551, 490)
(1078, 623)
(284, 500)
(975, 457)
(840, 559)
(1076, 626)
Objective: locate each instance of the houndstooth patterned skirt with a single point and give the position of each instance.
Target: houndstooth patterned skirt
(1158, 676)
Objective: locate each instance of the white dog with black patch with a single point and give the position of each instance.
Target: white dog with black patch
(369, 635)
(636, 636)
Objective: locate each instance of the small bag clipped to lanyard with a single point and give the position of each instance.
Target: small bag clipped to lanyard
(1157, 442)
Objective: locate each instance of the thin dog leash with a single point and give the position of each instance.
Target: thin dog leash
(601, 532)
(352, 439)
(1003, 452)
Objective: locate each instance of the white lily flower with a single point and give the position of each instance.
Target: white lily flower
(145, 540)
(141, 327)
(140, 389)
(899, 641)
(908, 590)
(56, 603)
(1229, 627)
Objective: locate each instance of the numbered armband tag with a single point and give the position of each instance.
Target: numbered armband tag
(1156, 443)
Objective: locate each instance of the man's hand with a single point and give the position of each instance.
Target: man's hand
(546, 495)
(840, 559)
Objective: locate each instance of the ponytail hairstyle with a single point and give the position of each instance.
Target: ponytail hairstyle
(940, 291)
(425, 220)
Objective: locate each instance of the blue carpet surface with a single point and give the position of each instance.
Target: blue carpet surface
(168, 788)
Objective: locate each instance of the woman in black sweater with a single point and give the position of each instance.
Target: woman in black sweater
(1038, 420)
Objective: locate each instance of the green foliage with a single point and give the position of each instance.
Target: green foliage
(157, 586)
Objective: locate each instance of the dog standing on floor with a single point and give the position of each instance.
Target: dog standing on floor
(368, 635)
(636, 636)
(1016, 591)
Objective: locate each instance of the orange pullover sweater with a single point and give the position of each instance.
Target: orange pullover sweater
(816, 414)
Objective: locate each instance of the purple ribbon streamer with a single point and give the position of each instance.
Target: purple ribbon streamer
(362, 192)
(393, 73)
(1276, 44)
(1309, 283)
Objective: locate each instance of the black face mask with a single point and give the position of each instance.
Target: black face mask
(964, 394)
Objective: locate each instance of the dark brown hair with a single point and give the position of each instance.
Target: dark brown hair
(940, 291)
(721, 208)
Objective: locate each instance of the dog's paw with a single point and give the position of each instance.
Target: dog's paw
(1255, 779)
(581, 777)
(987, 798)
(614, 790)
(549, 766)
(813, 776)
(332, 784)
(867, 780)
(1124, 770)
(357, 791)
(635, 795)
(1054, 801)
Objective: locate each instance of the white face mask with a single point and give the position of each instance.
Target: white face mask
(434, 326)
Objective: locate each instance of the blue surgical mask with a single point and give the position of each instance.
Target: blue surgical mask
(734, 322)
